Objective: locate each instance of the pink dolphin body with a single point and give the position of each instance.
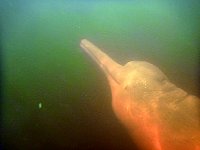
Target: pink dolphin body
(157, 114)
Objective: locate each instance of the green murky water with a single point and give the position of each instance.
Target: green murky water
(54, 96)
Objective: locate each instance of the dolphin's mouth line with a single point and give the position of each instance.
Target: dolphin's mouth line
(92, 51)
(91, 54)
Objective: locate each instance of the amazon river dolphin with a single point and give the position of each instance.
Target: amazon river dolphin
(157, 114)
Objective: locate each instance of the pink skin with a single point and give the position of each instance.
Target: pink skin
(157, 114)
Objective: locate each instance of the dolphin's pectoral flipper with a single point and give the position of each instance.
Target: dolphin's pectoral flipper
(157, 114)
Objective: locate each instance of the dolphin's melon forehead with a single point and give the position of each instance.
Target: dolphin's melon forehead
(145, 69)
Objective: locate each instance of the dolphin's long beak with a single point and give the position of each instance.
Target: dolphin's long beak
(109, 66)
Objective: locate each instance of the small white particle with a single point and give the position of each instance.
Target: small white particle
(40, 105)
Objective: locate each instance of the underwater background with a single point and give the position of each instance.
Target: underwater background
(56, 97)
